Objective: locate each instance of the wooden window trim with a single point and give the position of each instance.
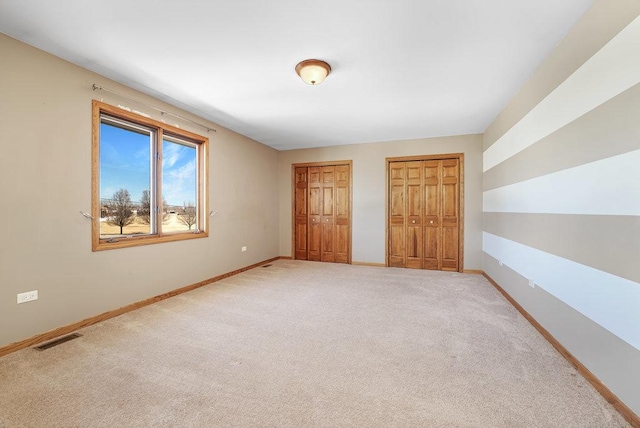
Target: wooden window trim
(460, 157)
(202, 147)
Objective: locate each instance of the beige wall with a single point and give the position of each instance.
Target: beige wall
(561, 190)
(368, 235)
(45, 176)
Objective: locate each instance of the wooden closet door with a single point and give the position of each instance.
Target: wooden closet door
(432, 223)
(300, 213)
(322, 212)
(414, 212)
(397, 217)
(328, 212)
(342, 214)
(315, 213)
(424, 214)
(450, 214)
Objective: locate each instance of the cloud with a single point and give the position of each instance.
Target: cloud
(171, 154)
(142, 154)
(179, 184)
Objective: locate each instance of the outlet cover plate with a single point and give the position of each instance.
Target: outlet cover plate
(27, 296)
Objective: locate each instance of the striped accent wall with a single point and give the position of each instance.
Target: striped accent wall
(561, 201)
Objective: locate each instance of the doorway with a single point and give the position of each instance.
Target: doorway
(321, 215)
(425, 204)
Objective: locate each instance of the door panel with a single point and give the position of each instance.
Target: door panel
(342, 202)
(432, 195)
(314, 174)
(343, 175)
(328, 175)
(414, 211)
(449, 251)
(328, 209)
(413, 248)
(450, 209)
(315, 201)
(431, 245)
(301, 241)
(397, 201)
(342, 208)
(314, 241)
(315, 211)
(341, 252)
(396, 171)
(301, 201)
(396, 245)
(327, 201)
(300, 213)
(327, 242)
(397, 210)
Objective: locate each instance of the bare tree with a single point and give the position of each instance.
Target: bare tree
(188, 214)
(144, 213)
(121, 210)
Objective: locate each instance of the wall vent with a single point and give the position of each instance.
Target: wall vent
(58, 341)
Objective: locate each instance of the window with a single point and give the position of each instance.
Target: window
(148, 180)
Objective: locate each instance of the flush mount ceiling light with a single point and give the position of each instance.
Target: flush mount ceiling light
(313, 71)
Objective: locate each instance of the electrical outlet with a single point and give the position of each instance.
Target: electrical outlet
(244, 248)
(28, 296)
(531, 283)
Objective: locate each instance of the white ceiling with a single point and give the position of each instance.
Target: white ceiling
(402, 69)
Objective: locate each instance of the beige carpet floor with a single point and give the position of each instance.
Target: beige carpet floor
(307, 344)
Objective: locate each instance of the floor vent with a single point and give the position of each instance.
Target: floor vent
(266, 265)
(58, 341)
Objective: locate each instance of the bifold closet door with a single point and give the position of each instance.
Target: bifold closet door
(322, 212)
(424, 214)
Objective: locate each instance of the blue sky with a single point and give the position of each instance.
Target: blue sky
(125, 163)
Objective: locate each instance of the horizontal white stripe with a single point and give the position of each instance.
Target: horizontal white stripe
(612, 70)
(608, 300)
(609, 186)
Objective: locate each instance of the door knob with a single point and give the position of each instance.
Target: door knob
(413, 221)
(431, 222)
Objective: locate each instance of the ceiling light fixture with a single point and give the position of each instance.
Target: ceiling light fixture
(313, 71)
